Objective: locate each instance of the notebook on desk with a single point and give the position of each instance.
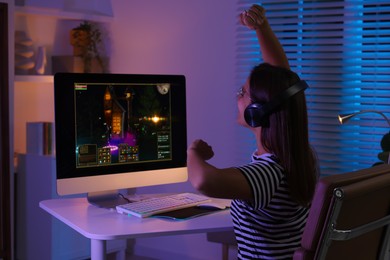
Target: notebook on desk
(187, 213)
(215, 205)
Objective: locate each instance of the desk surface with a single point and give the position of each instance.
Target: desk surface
(104, 224)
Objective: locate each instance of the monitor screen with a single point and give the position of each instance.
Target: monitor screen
(118, 131)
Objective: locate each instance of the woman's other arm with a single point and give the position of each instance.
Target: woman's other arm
(226, 183)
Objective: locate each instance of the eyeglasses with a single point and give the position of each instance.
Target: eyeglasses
(241, 92)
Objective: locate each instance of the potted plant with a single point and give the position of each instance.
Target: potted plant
(87, 43)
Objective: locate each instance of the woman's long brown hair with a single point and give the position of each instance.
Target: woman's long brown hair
(287, 135)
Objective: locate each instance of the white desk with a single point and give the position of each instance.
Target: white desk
(100, 224)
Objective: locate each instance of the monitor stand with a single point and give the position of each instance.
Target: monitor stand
(106, 199)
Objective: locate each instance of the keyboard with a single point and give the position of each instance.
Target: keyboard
(148, 207)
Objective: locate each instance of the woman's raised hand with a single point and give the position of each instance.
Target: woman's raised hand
(254, 17)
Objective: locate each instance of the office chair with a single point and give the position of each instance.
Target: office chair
(349, 217)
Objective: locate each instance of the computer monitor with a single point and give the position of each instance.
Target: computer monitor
(118, 131)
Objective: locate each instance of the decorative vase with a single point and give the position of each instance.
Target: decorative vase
(41, 61)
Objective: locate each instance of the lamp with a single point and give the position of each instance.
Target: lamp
(343, 118)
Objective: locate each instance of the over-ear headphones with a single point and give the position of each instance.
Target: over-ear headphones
(257, 114)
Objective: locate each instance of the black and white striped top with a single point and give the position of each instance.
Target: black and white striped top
(271, 225)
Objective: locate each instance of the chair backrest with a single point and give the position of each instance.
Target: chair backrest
(347, 202)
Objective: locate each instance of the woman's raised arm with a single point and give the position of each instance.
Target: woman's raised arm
(271, 49)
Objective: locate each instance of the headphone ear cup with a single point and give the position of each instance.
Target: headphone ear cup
(257, 114)
(254, 115)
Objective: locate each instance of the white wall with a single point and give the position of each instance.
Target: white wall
(196, 39)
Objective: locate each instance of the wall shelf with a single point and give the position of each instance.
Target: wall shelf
(48, 27)
(61, 14)
(35, 78)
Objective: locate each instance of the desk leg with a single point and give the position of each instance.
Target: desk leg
(98, 249)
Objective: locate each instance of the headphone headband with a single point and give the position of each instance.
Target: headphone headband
(256, 114)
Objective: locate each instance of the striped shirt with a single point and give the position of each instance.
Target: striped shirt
(271, 225)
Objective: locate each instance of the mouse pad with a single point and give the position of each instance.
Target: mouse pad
(187, 213)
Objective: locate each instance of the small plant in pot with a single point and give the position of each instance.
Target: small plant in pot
(87, 43)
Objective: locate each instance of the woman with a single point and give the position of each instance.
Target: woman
(271, 195)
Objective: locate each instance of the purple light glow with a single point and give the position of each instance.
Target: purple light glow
(114, 142)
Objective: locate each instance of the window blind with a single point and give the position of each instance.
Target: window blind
(342, 49)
